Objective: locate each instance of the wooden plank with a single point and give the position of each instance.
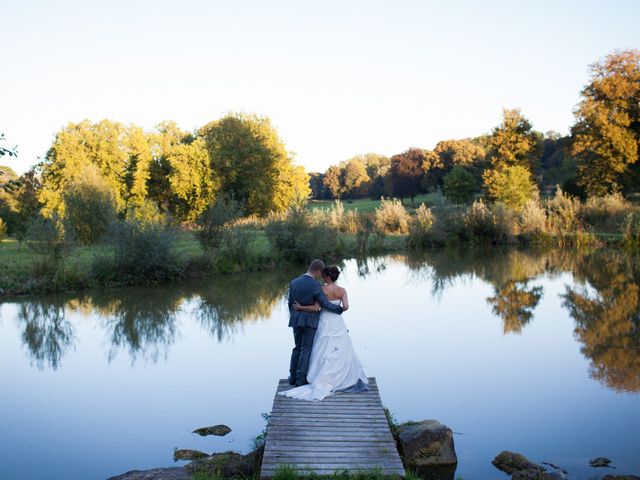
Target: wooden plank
(345, 431)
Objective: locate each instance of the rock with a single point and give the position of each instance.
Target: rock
(521, 468)
(174, 473)
(218, 430)
(187, 454)
(621, 477)
(511, 462)
(599, 462)
(426, 444)
(228, 464)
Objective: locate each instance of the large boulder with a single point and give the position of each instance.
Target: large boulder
(173, 473)
(426, 444)
(227, 465)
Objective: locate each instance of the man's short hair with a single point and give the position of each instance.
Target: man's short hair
(316, 266)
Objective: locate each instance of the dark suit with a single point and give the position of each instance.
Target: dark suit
(306, 291)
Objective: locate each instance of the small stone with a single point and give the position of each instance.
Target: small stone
(218, 430)
(599, 462)
(186, 454)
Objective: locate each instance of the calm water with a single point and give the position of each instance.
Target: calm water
(536, 353)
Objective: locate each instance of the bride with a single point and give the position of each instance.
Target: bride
(334, 366)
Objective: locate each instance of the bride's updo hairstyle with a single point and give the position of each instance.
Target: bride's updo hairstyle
(332, 272)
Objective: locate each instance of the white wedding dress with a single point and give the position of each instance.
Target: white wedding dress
(333, 366)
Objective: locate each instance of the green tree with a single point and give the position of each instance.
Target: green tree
(511, 185)
(104, 144)
(459, 185)
(89, 206)
(248, 157)
(606, 135)
(180, 181)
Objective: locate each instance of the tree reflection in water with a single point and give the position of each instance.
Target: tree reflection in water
(514, 302)
(608, 319)
(225, 303)
(141, 320)
(46, 332)
(604, 301)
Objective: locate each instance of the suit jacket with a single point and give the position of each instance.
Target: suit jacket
(306, 291)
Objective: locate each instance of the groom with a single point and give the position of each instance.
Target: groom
(306, 291)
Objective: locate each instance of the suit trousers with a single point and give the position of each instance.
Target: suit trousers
(303, 337)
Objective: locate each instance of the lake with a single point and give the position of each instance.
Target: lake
(533, 352)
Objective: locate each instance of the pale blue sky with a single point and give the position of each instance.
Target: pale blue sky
(337, 78)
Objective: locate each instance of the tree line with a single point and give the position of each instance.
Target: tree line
(167, 171)
(515, 162)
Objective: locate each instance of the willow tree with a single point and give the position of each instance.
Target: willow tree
(248, 157)
(606, 135)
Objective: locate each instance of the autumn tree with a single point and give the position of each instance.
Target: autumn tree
(405, 173)
(514, 142)
(332, 182)
(606, 135)
(355, 180)
(248, 157)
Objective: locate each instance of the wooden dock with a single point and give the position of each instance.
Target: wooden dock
(342, 432)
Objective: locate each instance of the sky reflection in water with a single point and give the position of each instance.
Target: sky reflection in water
(536, 353)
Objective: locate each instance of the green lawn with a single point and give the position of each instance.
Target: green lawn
(367, 205)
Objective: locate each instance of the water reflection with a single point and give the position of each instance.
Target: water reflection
(223, 305)
(604, 302)
(607, 317)
(46, 332)
(514, 303)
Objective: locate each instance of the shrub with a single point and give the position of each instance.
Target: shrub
(512, 186)
(459, 185)
(533, 222)
(496, 224)
(45, 238)
(142, 253)
(420, 227)
(235, 253)
(448, 225)
(3, 229)
(214, 221)
(336, 217)
(368, 239)
(392, 217)
(562, 213)
(89, 206)
(145, 211)
(606, 213)
(631, 229)
(296, 239)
